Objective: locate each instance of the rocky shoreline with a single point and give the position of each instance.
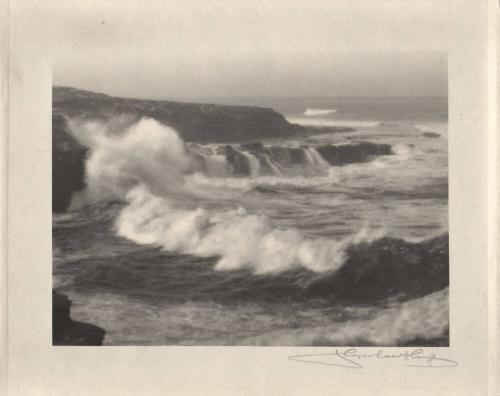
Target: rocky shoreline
(195, 122)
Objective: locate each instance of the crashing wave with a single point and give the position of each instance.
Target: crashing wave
(253, 159)
(149, 166)
(240, 240)
(153, 171)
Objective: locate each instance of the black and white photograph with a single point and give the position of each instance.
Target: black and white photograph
(251, 198)
(266, 197)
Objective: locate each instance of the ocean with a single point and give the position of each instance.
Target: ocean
(181, 243)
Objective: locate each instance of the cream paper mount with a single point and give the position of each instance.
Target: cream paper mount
(217, 49)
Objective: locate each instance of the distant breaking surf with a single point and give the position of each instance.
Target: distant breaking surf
(319, 122)
(315, 112)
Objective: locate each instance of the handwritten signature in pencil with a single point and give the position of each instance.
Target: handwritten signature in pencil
(353, 358)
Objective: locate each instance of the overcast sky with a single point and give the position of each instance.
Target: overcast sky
(228, 49)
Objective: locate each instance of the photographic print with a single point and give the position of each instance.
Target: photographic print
(251, 198)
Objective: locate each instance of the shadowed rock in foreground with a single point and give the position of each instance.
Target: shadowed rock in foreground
(66, 331)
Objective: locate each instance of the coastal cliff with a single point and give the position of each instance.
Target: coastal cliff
(195, 122)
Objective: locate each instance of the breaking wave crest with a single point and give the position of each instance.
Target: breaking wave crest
(238, 238)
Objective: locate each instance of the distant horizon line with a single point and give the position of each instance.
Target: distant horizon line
(307, 96)
(173, 98)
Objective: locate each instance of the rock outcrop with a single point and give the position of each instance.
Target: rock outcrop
(66, 331)
(351, 153)
(68, 165)
(195, 122)
(283, 156)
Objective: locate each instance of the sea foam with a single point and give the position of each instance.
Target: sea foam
(425, 318)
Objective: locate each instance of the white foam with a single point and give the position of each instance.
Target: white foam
(205, 322)
(147, 153)
(424, 318)
(198, 180)
(238, 238)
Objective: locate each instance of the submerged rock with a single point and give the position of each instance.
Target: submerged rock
(431, 135)
(66, 331)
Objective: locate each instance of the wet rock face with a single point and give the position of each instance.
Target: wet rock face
(238, 162)
(68, 165)
(66, 331)
(283, 156)
(351, 153)
(388, 268)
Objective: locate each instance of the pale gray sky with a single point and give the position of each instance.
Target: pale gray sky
(185, 49)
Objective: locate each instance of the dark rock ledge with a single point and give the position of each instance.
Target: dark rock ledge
(66, 331)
